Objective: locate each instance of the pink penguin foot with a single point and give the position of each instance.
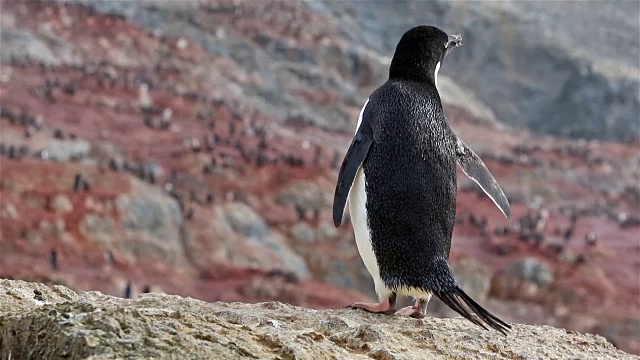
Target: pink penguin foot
(417, 311)
(411, 311)
(384, 307)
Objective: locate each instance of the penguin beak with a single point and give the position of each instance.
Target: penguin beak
(454, 42)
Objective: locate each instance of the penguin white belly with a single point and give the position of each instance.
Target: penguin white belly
(359, 219)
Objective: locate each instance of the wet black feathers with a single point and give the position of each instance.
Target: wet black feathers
(417, 53)
(464, 305)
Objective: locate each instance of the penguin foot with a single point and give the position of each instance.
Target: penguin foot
(411, 311)
(383, 307)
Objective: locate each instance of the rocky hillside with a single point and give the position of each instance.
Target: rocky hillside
(554, 67)
(41, 322)
(192, 148)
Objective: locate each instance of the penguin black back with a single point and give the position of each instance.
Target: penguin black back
(419, 186)
(410, 179)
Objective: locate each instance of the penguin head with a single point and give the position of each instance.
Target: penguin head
(420, 53)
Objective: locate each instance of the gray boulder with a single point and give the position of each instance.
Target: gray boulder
(243, 220)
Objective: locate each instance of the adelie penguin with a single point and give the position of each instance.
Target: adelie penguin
(399, 175)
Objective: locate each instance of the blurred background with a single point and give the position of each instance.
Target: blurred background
(192, 147)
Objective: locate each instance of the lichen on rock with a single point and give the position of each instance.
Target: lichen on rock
(37, 321)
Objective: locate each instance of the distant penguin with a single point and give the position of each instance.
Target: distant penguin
(108, 257)
(53, 259)
(144, 99)
(80, 184)
(591, 238)
(399, 176)
(127, 290)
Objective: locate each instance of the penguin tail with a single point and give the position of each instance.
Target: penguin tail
(464, 305)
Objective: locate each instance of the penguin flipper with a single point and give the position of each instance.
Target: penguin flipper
(350, 165)
(476, 170)
(464, 305)
(352, 161)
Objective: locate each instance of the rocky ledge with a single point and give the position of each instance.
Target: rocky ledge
(41, 322)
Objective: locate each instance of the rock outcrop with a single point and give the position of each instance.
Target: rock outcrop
(37, 321)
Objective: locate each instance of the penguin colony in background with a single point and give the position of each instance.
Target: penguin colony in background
(399, 177)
